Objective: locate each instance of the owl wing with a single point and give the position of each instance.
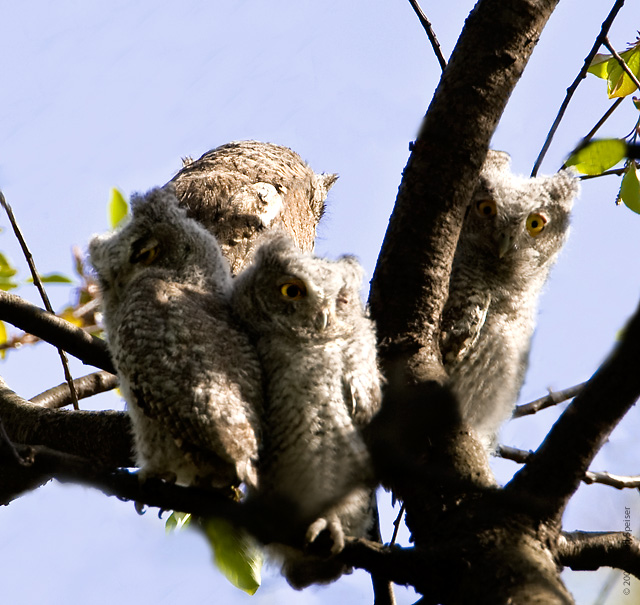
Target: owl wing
(462, 324)
(361, 382)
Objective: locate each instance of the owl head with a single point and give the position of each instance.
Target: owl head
(287, 291)
(517, 224)
(159, 241)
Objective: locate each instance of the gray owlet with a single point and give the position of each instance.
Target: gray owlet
(240, 189)
(191, 378)
(511, 236)
(318, 352)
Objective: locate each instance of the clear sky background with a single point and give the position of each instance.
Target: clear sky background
(97, 95)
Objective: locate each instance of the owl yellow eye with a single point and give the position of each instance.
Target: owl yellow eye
(293, 289)
(535, 224)
(146, 255)
(486, 208)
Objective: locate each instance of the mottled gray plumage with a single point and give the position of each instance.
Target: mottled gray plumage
(318, 352)
(240, 189)
(191, 378)
(511, 237)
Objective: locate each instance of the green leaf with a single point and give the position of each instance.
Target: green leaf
(597, 156)
(3, 339)
(630, 188)
(235, 553)
(619, 84)
(118, 208)
(177, 521)
(53, 278)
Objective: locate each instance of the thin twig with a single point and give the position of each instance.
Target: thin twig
(621, 61)
(87, 386)
(603, 477)
(617, 172)
(430, 33)
(606, 25)
(602, 120)
(553, 398)
(396, 525)
(43, 294)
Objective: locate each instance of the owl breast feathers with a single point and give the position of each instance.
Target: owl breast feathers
(318, 352)
(511, 236)
(190, 376)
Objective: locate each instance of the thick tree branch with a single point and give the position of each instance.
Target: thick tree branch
(56, 331)
(87, 386)
(560, 463)
(438, 180)
(587, 551)
(101, 437)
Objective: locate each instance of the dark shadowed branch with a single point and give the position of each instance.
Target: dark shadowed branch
(56, 331)
(87, 386)
(588, 551)
(606, 25)
(101, 437)
(560, 463)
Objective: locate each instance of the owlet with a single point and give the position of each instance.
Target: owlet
(190, 376)
(318, 353)
(511, 236)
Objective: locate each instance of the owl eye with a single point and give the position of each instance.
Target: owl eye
(293, 289)
(486, 208)
(535, 224)
(147, 254)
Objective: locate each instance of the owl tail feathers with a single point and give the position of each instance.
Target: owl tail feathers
(235, 552)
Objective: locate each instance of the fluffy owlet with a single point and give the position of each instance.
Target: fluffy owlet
(240, 189)
(511, 236)
(191, 378)
(318, 353)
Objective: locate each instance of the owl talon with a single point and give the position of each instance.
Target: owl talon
(334, 529)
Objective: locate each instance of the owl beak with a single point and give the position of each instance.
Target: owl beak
(505, 243)
(323, 319)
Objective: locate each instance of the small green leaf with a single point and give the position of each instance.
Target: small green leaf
(597, 156)
(53, 278)
(118, 208)
(235, 553)
(619, 84)
(630, 188)
(3, 339)
(177, 521)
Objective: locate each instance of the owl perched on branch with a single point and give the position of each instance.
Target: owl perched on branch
(511, 236)
(190, 376)
(240, 189)
(318, 353)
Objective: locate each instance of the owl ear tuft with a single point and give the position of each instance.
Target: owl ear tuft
(497, 160)
(352, 268)
(158, 205)
(563, 186)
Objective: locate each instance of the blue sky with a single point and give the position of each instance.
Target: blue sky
(97, 95)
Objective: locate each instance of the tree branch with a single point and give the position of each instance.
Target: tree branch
(87, 386)
(553, 398)
(430, 33)
(560, 463)
(101, 437)
(604, 30)
(56, 331)
(621, 62)
(588, 551)
(604, 477)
